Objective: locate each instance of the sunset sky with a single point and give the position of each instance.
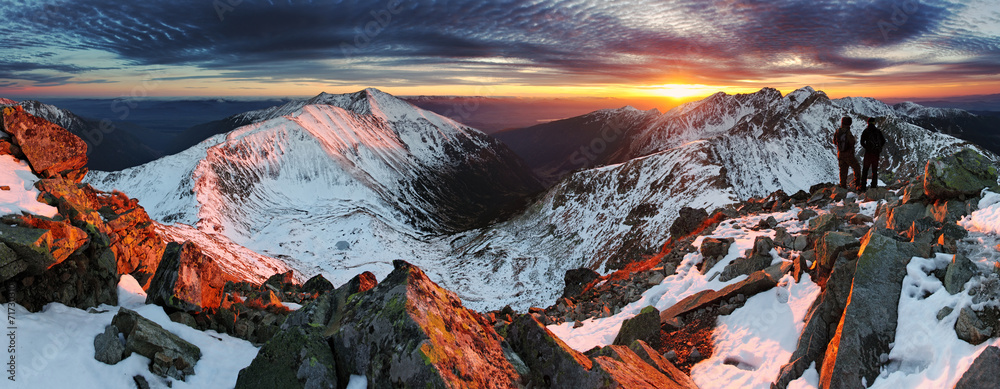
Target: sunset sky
(895, 48)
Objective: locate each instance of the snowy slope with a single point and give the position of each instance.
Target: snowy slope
(363, 170)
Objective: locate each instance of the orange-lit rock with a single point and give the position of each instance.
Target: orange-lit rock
(187, 280)
(51, 150)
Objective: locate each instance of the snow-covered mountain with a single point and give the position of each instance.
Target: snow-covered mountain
(346, 183)
(340, 186)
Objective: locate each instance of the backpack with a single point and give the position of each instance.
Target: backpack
(845, 141)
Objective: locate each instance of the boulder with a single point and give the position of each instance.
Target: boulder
(317, 284)
(868, 325)
(108, 347)
(903, 216)
(550, 361)
(923, 230)
(713, 250)
(688, 220)
(577, 280)
(169, 354)
(644, 326)
(913, 193)
(408, 331)
(757, 282)
(187, 280)
(984, 371)
(807, 214)
(51, 150)
(831, 244)
(760, 258)
(823, 223)
(964, 173)
(970, 328)
(959, 271)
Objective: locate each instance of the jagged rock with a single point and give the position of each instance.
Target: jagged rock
(831, 244)
(187, 280)
(984, 371)
(625, 369)
(755, 283)
(966, 172)
(296, 357)
(170, 355)
(903, 216)
(760, 258)
(821, 321)
(807, 214)
(914, 193)
(578, 279)
(954, 231)
(959, 271)
(782, 238)
(859, 218)
(317, 284)
(50, 150)
(551, 362)
(688, 220)
(644, 326)
(713, 250)
(970, 328)
(661, 363)
(823, 223)
(108, 348)
(876, 194)
(184, 318)
(136, 245)
(10, 265)
(409, 331)
(40, 248)
(923, 230)
(868, 324)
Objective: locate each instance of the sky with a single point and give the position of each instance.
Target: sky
(637, 48)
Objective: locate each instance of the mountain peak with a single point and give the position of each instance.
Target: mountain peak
(4, 101)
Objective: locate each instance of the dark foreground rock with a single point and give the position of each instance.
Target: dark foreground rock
(984, 372)
(868, 324)
(170, 356)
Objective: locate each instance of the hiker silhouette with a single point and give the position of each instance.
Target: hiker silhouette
(845, 141)
(872, 141)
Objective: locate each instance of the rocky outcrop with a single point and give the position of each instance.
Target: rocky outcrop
(170, 356)
(713, 250)
(970, 328)
(644, 326)
(959, 271)
(820, 324)
(965, 173)
(688, 220)
(759, 259)
(830, 246)
(299, 356)
(868, 325)
(50, 150)
(187, 280)
(433, 339)
(984, 371)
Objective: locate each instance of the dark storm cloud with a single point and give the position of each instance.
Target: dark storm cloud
(600, 41)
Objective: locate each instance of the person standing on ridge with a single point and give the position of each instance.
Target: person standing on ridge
(872, 141)
(845, 141)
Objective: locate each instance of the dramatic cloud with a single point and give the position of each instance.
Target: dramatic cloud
(561, 42)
